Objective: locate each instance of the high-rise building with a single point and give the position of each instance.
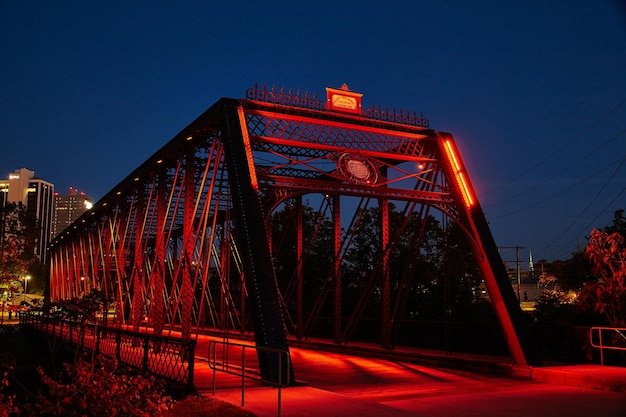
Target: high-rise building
(68, 208)
(37, 196)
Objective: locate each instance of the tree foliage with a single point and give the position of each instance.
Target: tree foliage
(16, 255)
(607, 294)
(572, 273)
(317, 257)
(432, 270)
(618, 225)
(556, 303)
(82, 309)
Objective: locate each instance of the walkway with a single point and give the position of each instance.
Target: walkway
(338, 384)
(415, 382)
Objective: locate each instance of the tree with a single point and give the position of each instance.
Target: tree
(317, 256)
(556, 302)
(606, 295)
(618, 225)
(572, 273)
(15, 256)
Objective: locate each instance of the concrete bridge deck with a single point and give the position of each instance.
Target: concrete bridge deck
(398, 384)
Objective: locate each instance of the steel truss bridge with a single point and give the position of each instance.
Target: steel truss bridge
(184, 241)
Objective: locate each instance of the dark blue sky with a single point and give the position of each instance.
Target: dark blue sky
(533, 91)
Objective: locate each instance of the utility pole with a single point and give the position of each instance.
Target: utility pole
(517, 265)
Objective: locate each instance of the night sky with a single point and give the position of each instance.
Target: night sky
(534, 92)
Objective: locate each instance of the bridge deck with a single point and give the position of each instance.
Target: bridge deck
(364, 380)
(340, 384)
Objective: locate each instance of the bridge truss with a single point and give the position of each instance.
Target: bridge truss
(184, 241)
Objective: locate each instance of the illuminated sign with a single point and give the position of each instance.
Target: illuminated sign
(343, 100)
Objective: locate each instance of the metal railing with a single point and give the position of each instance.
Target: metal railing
(168, 357)
(292, 98)
(228, 365)
(615, 336)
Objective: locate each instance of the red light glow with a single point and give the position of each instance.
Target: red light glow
(459, 174)
(246, 141)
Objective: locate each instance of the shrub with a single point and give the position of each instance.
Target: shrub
(99, 390)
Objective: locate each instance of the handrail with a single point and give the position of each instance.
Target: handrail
(619, 332)
(240, 369)
(168, 357)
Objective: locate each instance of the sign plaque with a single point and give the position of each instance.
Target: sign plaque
(343, 100)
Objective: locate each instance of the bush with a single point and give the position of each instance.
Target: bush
(99, 390)
(8, 406)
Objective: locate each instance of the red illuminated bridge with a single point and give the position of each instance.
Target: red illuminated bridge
(184, 241)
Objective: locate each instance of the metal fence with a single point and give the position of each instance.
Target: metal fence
(170, 358)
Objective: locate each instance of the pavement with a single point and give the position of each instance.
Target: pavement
(365, 380)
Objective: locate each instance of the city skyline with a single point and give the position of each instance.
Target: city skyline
(68, 208)
(533, 94)
(23, 187)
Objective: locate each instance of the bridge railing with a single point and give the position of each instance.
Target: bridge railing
(232, 360)
(607, 338)
(170, 358)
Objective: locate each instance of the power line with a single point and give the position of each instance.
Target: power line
(590, 203)
(595, 174)
(575, 138)
(587, 227)
(567, 113)
(567, 168)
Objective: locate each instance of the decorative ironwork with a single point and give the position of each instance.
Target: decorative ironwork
(357, 169)
(401, 116)
(285, 98)
(297, 99)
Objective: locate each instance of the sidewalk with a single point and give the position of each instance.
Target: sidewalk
(415, 382)
(595, 376)
(365, 380)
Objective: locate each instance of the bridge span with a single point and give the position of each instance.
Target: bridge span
(217, 230)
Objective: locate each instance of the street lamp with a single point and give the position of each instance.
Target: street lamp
(26, 278)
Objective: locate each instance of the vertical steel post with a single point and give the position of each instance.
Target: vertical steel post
(386, 284)
(157, 303)
(299, 271)
(188, 240)
(118, 225)
(336, 201)
(138, 260)
(107, 257)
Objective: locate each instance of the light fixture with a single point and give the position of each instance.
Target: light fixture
(458, 173)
